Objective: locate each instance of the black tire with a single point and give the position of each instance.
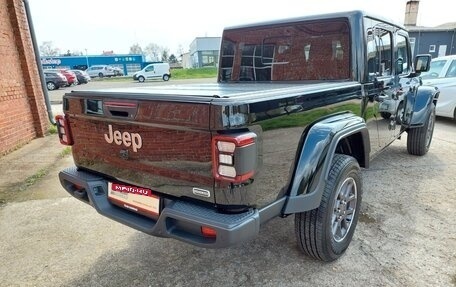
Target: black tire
(316, 230)
(385, 115)
(100, 75)
(165, 77)
(141, 79)
(399, 112)
(51, 86)
(419, 139)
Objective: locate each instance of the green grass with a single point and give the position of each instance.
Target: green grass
(52, 130)
(66, 151)
(31, 180)
(196, 73)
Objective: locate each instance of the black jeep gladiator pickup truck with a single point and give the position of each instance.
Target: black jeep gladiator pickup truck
(299, 106)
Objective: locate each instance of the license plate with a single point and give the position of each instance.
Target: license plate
(137, 199)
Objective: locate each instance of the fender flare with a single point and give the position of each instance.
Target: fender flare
(320, 141)
(424, 97)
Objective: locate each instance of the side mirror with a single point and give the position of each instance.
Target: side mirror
(422, 63)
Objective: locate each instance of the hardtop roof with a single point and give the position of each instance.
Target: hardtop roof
(355, 14)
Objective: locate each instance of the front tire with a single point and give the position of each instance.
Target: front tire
(100, 75)
(326, 232)
(419, 139)
(51, 86)
(141, 79)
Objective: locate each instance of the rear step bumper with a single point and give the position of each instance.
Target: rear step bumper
(178, 219)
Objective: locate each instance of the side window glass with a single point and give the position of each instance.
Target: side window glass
(402, 52)
(150, 69)
(451, 70)
(379, 52)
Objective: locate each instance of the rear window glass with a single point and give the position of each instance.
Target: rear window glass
(312, 50)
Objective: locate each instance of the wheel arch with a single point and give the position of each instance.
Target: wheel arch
(424, 98)
(343, 133)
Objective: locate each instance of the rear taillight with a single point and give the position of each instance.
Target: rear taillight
(63, 129)
(234, 157)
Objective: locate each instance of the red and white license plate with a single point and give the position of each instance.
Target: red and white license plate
(137, 199)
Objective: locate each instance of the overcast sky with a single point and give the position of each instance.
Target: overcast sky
(104, 25)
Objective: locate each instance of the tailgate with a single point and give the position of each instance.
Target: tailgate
(159, 144)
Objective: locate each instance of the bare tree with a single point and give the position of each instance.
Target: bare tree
(47, 49)
(164, 54)
(153, 51)
(136, 49)
(180, 50)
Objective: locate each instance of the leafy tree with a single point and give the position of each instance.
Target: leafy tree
(136, 49)
(172, 59)
(47, 49)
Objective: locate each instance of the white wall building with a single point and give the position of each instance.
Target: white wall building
(204, 51)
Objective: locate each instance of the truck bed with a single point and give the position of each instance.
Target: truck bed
(238, 91)
(177, 124)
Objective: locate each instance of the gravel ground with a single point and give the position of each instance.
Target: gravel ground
(406, 237)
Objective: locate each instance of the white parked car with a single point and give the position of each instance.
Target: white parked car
(443, 75)
(100, 71)
(153, 71)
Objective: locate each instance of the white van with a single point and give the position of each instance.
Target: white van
(153, 71)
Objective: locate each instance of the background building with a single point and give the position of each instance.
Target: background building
(186, 60)
(204, 51)
(128, 63)
(23, 114)
(438, 41)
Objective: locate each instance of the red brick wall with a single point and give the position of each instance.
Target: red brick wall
(23, 114)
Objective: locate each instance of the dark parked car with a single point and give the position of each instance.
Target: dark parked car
(83, 77)
(55, 80)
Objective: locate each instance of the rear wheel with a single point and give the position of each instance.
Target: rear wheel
(419, 139)
(141, 79)
(326, 232)
(165, 77)
(399, 112)
(50, 86)
(100, 75)
(385, 115)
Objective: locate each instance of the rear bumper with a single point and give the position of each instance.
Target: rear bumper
(178, 219)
